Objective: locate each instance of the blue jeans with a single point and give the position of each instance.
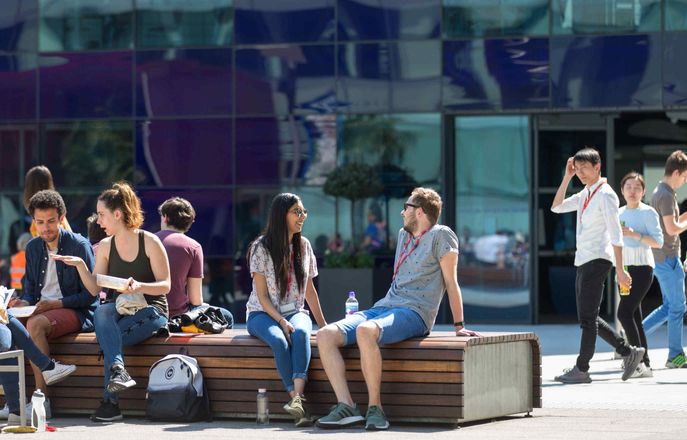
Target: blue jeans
(292, 360)
(14, 334)
(395, 324)
(115, 331)
(671, 277)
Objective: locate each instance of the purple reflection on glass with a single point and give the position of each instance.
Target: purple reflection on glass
(184, 152)
(503, 73)
(19, 25)
(388, 19)
(606, 71)
(285, 79)
(78, 85)
(295, 150)
(270, 21)
(184, 82)
(18, 81)
(213, 228)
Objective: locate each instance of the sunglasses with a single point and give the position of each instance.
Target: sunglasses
(300, 212)
(406, 205)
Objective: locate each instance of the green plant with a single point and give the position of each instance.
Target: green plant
(355, 259)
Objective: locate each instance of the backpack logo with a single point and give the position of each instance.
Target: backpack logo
(169, 373)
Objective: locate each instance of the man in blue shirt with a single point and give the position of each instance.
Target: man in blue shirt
(63, 305)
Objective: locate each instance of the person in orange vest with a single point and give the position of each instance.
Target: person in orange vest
(18, 262)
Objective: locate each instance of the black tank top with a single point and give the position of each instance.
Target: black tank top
(139, 269)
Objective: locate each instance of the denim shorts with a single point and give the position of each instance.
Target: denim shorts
(395, 324)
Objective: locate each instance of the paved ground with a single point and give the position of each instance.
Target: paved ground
(651, 408)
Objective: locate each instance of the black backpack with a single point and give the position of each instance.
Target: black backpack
(176, 391)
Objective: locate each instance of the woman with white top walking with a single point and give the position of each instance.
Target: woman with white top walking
(641, 232)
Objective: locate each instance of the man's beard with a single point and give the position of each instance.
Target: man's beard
(411, 226)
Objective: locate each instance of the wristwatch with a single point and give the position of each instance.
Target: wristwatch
(459, 324)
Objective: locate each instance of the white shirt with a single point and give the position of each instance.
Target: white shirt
(598, 226)
(51, 287)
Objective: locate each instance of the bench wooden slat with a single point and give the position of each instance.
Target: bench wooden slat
(423, 378)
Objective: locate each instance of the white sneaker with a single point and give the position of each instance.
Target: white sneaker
(14, 420)
(642, 371)
(60, 372)
(46, 404)
(4, 412)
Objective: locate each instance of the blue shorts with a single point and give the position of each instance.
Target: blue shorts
(395, 324)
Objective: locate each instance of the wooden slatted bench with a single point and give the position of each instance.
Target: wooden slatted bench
(440, 378)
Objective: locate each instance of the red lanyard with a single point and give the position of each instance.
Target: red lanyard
(589, 199)
(402, 257)
(291, 269)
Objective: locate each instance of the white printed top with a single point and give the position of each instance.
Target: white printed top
(261, 262)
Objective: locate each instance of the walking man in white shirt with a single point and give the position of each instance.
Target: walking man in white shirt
(599, 241)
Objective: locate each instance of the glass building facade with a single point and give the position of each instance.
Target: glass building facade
(229, 102)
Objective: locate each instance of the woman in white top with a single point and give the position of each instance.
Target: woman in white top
(641, 232)
(282, 264)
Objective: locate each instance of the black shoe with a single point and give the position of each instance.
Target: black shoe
(107, 412)
(119, 379)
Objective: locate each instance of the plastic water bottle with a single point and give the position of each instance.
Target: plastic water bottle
(38, 410)
(263, 417)
(351, 304)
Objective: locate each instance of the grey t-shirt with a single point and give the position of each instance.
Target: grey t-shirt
(419, 283)
(664, 201)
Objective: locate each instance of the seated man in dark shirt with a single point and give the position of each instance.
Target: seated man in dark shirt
(185, 258)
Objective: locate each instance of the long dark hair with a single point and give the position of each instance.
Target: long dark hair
(37, 179)
(275, 238)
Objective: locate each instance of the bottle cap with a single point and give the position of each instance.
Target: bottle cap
(262, 390)
(351, 293)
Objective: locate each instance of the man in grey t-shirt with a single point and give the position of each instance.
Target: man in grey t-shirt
(669, 270)
(424, 267)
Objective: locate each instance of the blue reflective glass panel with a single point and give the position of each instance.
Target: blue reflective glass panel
(183, 82)
(675, 69)
(86, 24)
(19, 25)
(495, 18)
(18, 84)
(86, 85)
(492, 74)
(675, 15)
(493, 215)
(269, 21)
(285, 79)
(178, 23)
(605, 16)
(184, 152)
(292, 150)
(388, 19)
(388, 77)
(606, 71)
(89, 153)
(214, 226)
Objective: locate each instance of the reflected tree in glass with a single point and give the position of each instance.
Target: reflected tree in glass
(377, 139)
(354, 181)
(91, 153)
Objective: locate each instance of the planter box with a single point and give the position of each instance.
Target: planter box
(334, 285)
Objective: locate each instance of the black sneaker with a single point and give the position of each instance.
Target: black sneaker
(107, 412)
(119, 379)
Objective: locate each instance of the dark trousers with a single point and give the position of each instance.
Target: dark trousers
(630, 307)
(589, 287)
